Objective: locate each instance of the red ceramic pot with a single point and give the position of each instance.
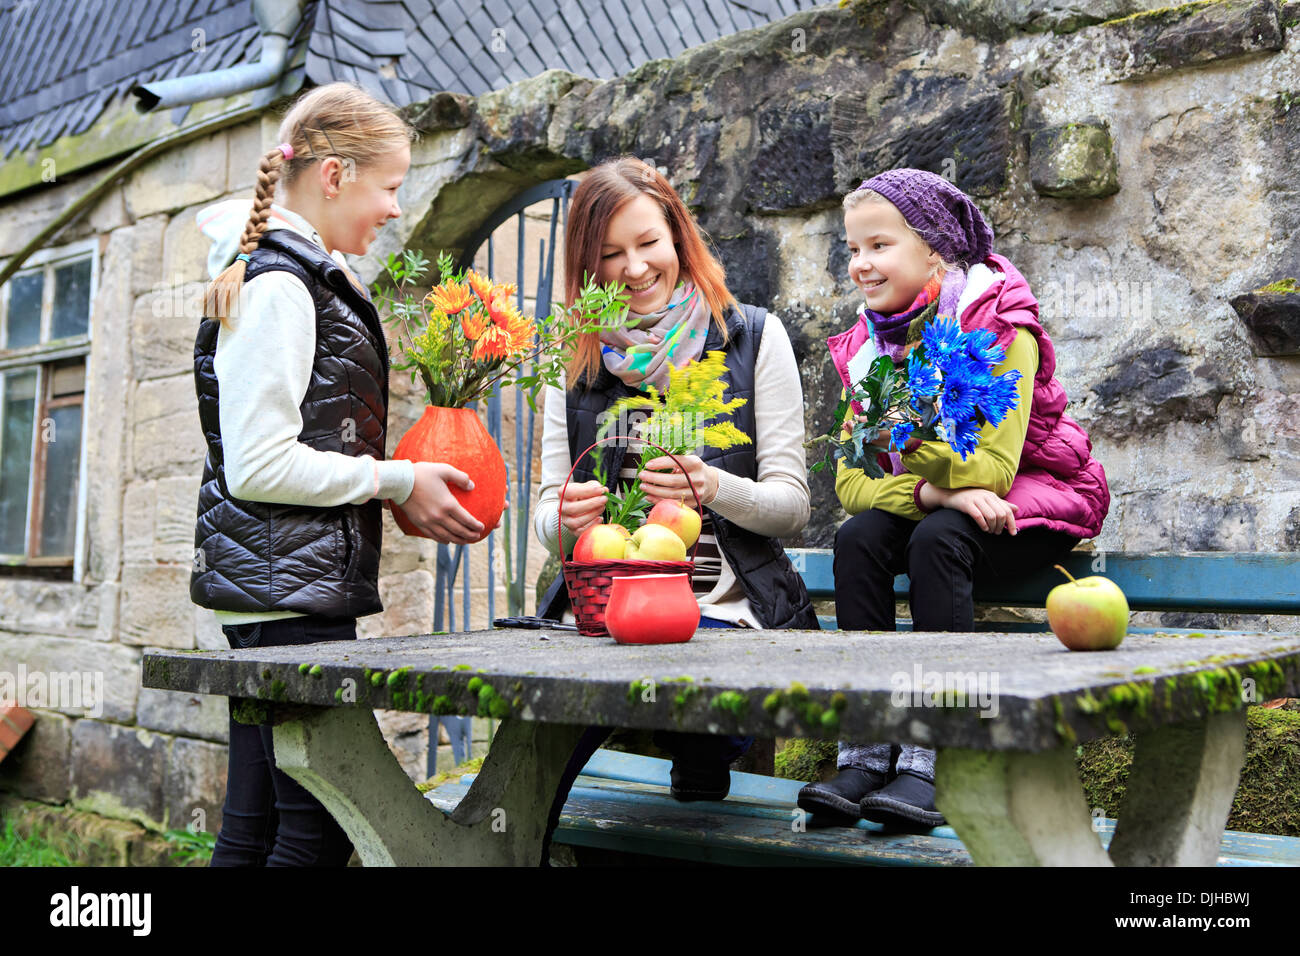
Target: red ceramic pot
(652, 609)
(457, 437)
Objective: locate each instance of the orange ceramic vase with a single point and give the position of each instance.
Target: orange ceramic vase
(457, 437)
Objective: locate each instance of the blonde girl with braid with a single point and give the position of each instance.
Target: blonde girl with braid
(291, 370)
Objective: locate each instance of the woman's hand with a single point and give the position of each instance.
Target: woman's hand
(584, 506)
(991, 513)
(434, 509)
(673, 485)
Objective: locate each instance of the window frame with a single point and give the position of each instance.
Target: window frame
(41, 358)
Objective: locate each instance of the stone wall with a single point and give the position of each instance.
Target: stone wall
(1136, 170)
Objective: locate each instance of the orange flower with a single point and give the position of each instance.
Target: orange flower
(507, 334)
(481, 285)
(451, 297)
(474, 324)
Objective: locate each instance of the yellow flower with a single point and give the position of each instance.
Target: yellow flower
(451, 297)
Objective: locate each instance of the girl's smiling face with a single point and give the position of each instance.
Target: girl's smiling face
(638, 251)
(889, 263)
(359, 207)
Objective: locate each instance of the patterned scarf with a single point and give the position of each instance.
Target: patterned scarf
(641, 352)
(894, 333)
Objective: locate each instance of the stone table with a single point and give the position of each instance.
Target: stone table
(1004, 711)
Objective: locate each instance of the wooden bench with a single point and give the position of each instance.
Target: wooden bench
(1006, 781)
(621, 802)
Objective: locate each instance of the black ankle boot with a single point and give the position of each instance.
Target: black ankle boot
(908, 800)
(838, 799)
(700, 783)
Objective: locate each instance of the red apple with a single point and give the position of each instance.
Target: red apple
(604, 542)
(681, 520)
(1090, 614)
(653, 542)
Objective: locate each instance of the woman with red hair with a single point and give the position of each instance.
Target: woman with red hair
(627, 224)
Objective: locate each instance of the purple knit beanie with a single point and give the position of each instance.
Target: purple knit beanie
(943, 214)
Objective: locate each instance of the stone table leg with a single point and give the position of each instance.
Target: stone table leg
(340, 756)
(1017, 809)
(1179, 793)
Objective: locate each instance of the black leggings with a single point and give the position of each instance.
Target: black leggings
(943, 554)
(269, 819)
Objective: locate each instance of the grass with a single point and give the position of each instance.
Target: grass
(32, 850)
(191, 846)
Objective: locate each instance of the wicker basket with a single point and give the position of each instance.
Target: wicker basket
(589, 583)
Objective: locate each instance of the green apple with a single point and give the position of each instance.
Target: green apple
(1090, 614)
(681, 520)
(654, 542)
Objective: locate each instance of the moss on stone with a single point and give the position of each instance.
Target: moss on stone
(1268, 796)
(249, 711)
(733, 701)
(807, 760)
(397, 679)
(1282, 285)
(1159, 14)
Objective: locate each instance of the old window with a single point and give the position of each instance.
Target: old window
(44, 345)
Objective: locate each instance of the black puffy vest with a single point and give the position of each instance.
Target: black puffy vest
(255, 556)
(775, 590)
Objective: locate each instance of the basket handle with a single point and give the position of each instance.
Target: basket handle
(559, 519)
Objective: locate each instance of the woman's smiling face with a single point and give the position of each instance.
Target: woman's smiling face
(889, 263)
(638, 251)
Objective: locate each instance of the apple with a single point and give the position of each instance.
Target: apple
(603, 542)
(681, 520)
(1090, 614)
(654, 542)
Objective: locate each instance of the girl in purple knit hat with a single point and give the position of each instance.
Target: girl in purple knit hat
(1028, 493)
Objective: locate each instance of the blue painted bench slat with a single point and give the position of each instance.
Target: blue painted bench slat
(1231, 582)
(621, 802)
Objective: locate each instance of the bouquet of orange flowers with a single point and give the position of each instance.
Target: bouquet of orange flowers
(466, 335)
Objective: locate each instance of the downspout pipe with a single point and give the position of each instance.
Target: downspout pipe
(278, 21)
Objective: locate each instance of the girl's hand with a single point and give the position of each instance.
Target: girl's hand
(673, 485)
(434, 509)
(584, 506)
(991, 513)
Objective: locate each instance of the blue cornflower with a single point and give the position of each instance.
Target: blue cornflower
(962, 437)
(981, 346)
(900, 433)
(943, 340)
(963, 390)
(999, 396)
(922, 378)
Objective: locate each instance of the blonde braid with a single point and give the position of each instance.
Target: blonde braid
(222, 296)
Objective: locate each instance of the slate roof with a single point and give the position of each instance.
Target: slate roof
(62, 62)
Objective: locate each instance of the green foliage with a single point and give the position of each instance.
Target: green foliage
(682, 420)
(190, 845)
(31, 850)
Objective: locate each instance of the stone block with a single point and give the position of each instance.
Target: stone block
(407, 736)
(118, 771)
(37, 768)
(75, 677)
(147, 253)
(790, 167)
(49, 607)
(108, 213)
(442, 111)
(408, 605)
(191, 174)
(1190, 35)
(1158, 521)
(175, 515)
(208, 635)
(162, 335)
(999, 19)
(166, 438)
(185, 248)
(138, 516)
(156, 606)
(247, 145)
(1272, 317)
(1155, 385)
(194, 785)
(190, 715)
(1073, 161)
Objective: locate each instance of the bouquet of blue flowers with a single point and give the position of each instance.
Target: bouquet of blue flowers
(945, 390)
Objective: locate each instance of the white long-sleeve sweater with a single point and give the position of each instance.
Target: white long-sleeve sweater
(263, 365)
(777, 504)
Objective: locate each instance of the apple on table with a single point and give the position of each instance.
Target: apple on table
(654, 542)
(602, 542)
(678, 517)
(1088, 614)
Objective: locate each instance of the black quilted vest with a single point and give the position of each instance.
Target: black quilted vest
(775, 590)
(254, 556)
